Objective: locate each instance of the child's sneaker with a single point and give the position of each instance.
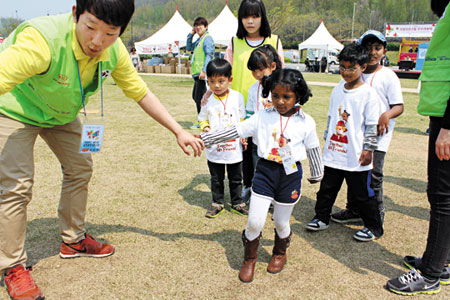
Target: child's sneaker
(214, 210)
(413, 262)
(346, 216)
(364, 235)
(316, 225)
(413, 283)
(240, 209)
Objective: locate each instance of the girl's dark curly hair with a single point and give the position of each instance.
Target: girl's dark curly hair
(291, 80)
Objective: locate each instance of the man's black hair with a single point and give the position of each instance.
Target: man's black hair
(355, 54)
(113, 12)
(201, 21)
(438, 6)
(263, 57)
(291, 80)
(218, 67)
(253, 8)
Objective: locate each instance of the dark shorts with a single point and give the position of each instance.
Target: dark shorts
(270, 180)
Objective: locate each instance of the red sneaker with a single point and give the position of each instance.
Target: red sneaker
(21, 286)
(87, 247)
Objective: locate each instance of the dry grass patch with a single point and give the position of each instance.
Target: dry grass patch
(149, 200)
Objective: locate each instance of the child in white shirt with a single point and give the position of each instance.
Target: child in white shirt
(285, 135)
(224, 108)
(351, 138)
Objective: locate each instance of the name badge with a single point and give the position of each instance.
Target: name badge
(225, 120)
(288, 160)
(92, 136)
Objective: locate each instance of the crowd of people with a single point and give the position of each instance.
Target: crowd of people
(253, 124)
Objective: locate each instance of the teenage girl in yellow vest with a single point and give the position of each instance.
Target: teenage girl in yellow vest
(253, 31)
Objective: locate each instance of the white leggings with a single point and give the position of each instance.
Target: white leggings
(259, 207)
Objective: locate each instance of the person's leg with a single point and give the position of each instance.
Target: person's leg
(438, 192)
(198, 91)
(363, 195)
(326, 196)
(217, 172)
(247, 164)
(65, 142)
(16, 180)
(377, 180)
(234, 173)
(259, 207)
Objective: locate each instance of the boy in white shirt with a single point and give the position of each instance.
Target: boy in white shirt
(351, 138)
(387, 85)
(224, 108)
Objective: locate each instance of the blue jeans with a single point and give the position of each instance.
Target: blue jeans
(437, 252)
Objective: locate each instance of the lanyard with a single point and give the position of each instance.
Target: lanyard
(281, 124)
(82, 91)
(224, 104)
(375, 73)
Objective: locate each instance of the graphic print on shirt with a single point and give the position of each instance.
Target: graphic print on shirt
(279, 141)
(339, 139)
(225, 121)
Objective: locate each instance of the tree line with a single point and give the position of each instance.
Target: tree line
(293, 20)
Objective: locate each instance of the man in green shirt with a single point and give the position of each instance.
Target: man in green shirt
(49, 67)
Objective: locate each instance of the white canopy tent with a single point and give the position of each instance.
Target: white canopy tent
(224, 26)
(320, 43)
(168, 39)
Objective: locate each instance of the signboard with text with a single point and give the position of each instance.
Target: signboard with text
(410, 30)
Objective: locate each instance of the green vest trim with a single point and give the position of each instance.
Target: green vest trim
(435, 76)
(53, 98)
(199, 56)
(242, 76)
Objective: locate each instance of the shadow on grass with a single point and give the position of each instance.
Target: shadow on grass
(195, 197)
(410, 130)
(418, 186)
(412, 211)
(43, 240)
(337, 242)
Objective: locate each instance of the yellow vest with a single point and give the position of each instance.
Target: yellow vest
(242, 76)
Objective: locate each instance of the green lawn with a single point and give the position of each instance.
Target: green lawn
(149, 200)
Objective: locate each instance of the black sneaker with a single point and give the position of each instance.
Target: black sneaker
(413, 262)
(240, 209)
(214, 210)
(346, 216)
(413, 283)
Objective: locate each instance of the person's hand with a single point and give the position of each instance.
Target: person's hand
(207, 129)
(186, 139)
(202, 75)
(244, 143)
(205, 97)
(383, 124)
(443, 144)
(365, 158)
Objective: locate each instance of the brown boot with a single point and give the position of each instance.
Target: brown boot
(279, 258)
(250, 256)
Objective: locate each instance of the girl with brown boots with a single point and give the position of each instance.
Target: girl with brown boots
(285, 135)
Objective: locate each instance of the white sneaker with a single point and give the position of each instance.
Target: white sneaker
(364, 235)
(316, 225)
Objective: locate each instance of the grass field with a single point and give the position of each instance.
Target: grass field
(148, 199)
